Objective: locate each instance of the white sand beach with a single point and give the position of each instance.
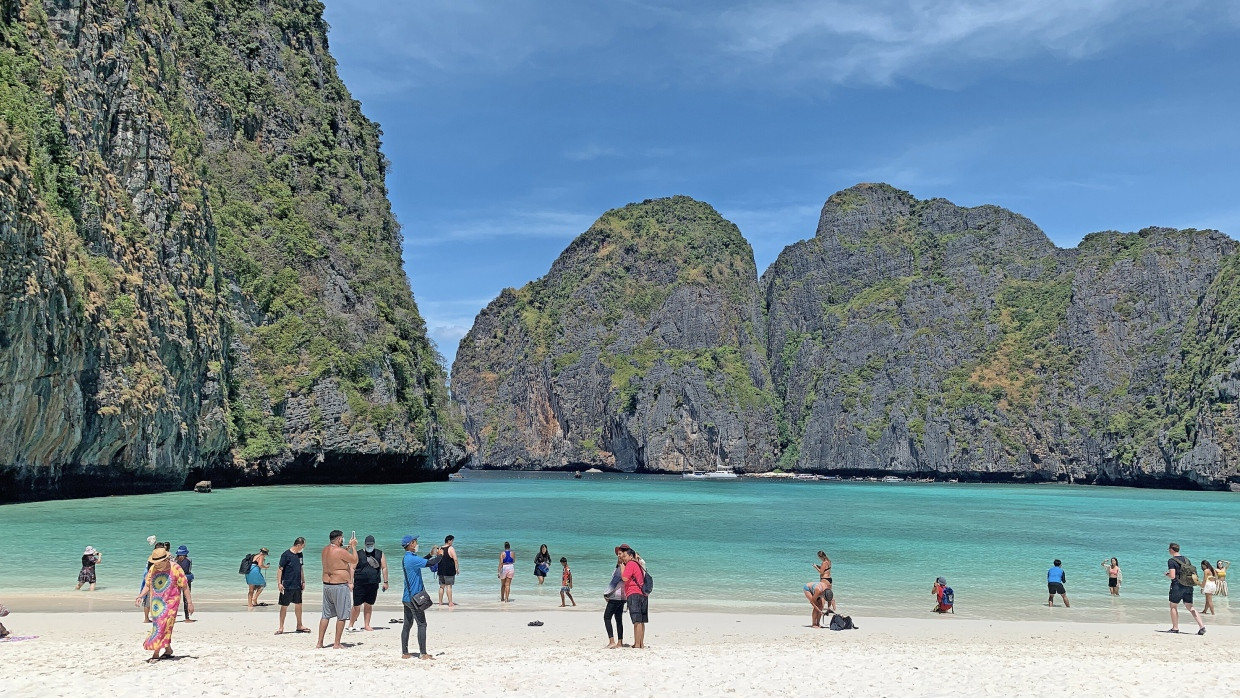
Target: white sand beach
(495, 652)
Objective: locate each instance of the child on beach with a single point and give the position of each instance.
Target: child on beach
(566, 583)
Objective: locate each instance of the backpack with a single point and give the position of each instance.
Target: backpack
(1186, 574)
(647, 583)
(246, 563)
(839, 622)
(947, 598)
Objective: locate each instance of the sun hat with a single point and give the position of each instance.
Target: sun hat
(404, 542)
(90, 550)
(183, 551)
(158, 555)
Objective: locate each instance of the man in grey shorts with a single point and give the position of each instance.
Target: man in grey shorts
(449, 567)
(338, 563)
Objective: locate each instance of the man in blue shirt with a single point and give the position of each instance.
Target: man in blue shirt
(1055, 577)
(413, 565)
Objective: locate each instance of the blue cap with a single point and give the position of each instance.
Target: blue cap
(183, 551)
(404, 542)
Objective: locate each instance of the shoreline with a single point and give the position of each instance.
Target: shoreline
(485, 653)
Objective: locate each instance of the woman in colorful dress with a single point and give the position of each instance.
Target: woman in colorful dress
(255, 578)
(90, 558)
(165, 585)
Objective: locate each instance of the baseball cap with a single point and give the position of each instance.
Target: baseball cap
(370, 540)
(404, 542)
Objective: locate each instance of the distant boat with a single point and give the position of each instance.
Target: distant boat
(721, 472)
(893, 478)
(830, 478)
(808, 476)
(694, 475)
(456, 476)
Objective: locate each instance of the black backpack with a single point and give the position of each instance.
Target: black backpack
(647, 583)
(246, 563)
(839, 622)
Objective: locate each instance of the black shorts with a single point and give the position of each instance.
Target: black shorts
(1180, 593)
(1112, 582)
(365, 593)
(1055, 588)
(639, 608)
(290, 596)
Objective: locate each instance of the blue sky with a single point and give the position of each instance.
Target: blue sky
(512, 125)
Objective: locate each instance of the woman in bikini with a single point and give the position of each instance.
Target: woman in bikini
(1113, 575)
(507, 568)
(824, 575)
(1221, 568)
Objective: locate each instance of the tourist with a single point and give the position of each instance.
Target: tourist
(507, 568)
(164, 587)
(542, 564)
(566, 583)
(944, 597)
(4, 613)
(255, 578)
(338, 563)
(371, 568)
(90, 558)
(1221, 567)
(449, 567)
(291, 582)
(1209, 586)
(415, 598)
(1055, 579)
(187, 566)
(615, 606)
(1183, 580)
(820, 596)
(1114, 576)
(634, 576)
(146, 601)
(824, 574)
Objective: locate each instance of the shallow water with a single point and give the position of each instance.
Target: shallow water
(742, 546)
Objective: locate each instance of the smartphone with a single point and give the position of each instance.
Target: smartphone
(354, 536)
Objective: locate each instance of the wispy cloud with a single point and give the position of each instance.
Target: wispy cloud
(468, 226)
(880, 41)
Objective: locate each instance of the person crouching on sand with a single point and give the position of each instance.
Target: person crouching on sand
(820, 596)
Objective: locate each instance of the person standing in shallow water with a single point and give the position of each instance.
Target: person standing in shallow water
(1055, 579)
(507, 568)
(90, 558)
(255, 579)
(542, 564)
(1114, 575)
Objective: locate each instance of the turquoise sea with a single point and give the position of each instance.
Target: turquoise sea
(739, 546)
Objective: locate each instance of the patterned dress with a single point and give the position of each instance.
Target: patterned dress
(165, 588)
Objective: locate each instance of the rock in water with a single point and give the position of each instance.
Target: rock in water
(641, 349)
(199, 271)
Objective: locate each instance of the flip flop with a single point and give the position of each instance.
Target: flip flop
(535, 623)
(303, 630)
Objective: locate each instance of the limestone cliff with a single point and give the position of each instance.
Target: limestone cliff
(641, 349)
(201, 275)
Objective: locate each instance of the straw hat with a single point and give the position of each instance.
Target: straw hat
(159, 555)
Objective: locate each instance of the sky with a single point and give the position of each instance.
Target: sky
(512, 125)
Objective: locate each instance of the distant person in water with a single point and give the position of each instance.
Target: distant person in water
(1221, 567)
(1209, 585)
(1181, 572)
(566, 583)
(824, 574)
(182, 560)
(1055, 579)
(291, 582)
(255, 579)
(542, 564)
(90, 558)
(615, 606)
(449, 567)
(1114, 576)
(507, 568)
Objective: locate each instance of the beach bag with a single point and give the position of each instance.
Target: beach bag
(839, 622)
(947, 599)
(246, 563)
(647, 583)
(421, 600)
(1186, 575)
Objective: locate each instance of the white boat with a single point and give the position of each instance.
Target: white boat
(720, 473)
(893, 478)
(808, 476)
(694, 475)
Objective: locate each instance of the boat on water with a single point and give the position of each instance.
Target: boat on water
(893, 478)
(808, 476)
(829, 478)
(719, 473)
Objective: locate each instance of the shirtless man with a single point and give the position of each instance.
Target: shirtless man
(338, 564)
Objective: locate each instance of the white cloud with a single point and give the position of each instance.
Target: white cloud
(489, 226)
